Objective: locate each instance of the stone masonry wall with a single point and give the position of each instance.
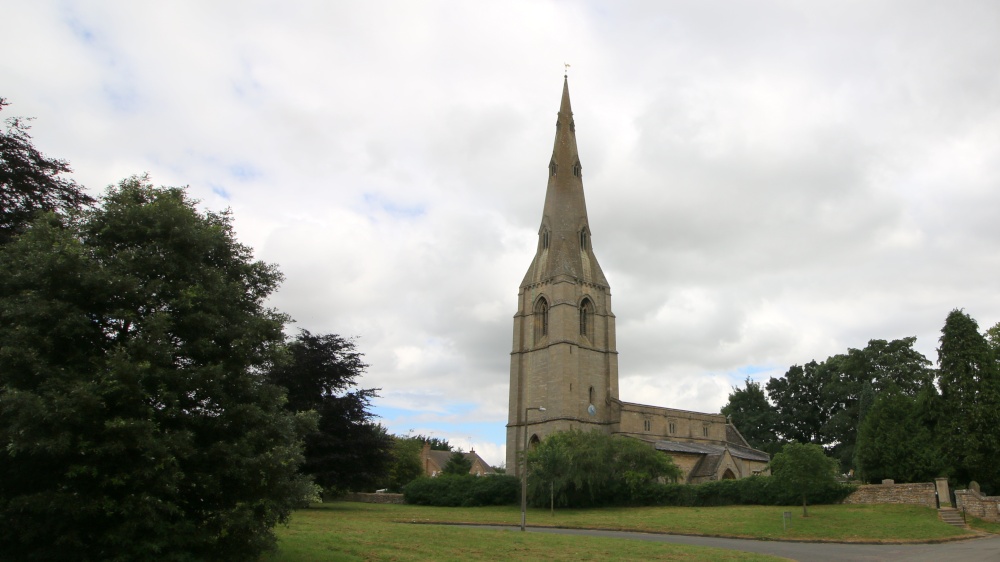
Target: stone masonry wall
(374, 498)
(917, 494)
(974, 503)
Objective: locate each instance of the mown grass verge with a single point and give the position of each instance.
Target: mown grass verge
(356, 531)
(983, 525)
(351, 531)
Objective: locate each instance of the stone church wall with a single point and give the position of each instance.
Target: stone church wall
(687, 426)
(916, 494)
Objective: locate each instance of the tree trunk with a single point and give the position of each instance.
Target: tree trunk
(804, 512)
(552, 499)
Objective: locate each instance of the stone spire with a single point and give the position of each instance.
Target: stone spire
(564, 246)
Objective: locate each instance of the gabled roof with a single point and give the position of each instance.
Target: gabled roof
(707, 466)
(440, 458)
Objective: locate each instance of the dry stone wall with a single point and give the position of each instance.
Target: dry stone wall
(974, 503)
(374, 498)
(916, 494)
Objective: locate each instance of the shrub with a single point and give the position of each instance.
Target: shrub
(463, 491)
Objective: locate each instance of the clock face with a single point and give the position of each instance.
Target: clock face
(592, 410)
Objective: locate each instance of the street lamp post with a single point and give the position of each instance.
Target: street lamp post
(524, 470)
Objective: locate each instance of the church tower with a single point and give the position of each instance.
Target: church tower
(564, 366)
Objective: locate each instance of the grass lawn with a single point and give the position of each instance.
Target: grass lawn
(983, 525)
(354, 531)
(357, 531)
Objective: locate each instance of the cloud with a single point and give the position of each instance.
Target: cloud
(768, 183)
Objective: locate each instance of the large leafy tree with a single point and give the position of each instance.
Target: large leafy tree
(31, 182)
(803, 469)
(798, 401)
(881, 365)
(135, 421)
(970, 400)
(897, 438)
(592, 468)
(348, 451)
(749, 410)
(405, 466)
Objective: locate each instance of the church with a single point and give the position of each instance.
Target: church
(564, 362)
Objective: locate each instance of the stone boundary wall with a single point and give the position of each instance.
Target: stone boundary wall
(917, 494)
(974, 503)
(374, 498)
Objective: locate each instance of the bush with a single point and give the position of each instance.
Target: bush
(755, 490)
(463, 491)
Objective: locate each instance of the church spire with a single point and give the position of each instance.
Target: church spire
(564, 236)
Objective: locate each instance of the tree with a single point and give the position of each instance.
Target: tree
(135, 423)
(348, 451)
(436, 443)
(897, 438)
(804, 469)
(577, 468)
(30, 182)
(457, 464)
(969, 379)
(755, 417)
(405, 466)
(798, 401)
(879, 366)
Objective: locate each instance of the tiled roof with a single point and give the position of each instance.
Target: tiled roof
(679, 447)
(708, 449)
(441, 458)
(707, 466)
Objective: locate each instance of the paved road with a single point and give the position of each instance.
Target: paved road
(979, 549)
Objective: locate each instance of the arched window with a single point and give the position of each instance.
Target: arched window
(533, 442)
(586, 318)
(590, 398)
(541, 318)
(583, 239)
(545, 239)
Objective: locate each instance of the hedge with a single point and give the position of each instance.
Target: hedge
(463, 491)
(472, 491)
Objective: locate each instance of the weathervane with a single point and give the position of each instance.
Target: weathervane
(566, 69)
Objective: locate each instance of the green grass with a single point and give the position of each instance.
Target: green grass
(357, 531)
(349, 531)
(983, 525)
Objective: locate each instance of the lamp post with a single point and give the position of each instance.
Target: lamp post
(524, 472)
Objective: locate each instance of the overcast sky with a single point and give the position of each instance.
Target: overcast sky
(768, 182)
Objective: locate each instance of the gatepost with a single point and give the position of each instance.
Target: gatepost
(941, 487)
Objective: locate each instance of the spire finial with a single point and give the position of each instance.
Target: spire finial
(565, 70)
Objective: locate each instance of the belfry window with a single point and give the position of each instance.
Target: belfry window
(586, 317)
(541, 318)
(590, 397)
